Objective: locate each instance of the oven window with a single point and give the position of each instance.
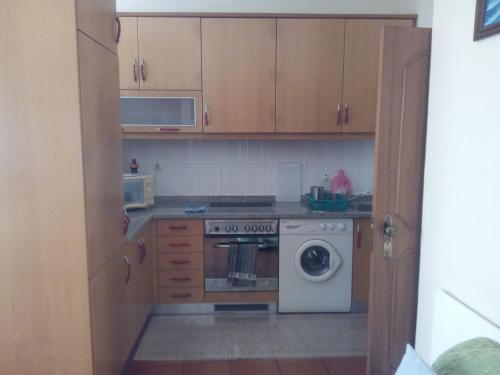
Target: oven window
(315, 261)
(133, 191)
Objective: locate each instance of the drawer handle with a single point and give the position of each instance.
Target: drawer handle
(179, 244)
(141, 245)
(129, 271)
(169, 129)
(180, 262)
(186, 295)
(180, 279)
(179, 227)
(359, 239)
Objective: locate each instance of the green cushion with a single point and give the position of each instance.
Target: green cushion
(479, 356)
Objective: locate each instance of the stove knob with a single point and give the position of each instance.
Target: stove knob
(341, 227)
(261, 228)
(331, 226)
(228, 228)
(254, 228)
(269, 228)
(217, 229)
(247, 228)
(235, 228)
(322, 226)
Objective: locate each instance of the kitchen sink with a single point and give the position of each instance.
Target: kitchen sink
(362, 202)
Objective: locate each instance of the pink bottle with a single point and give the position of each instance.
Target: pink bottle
(341, 184)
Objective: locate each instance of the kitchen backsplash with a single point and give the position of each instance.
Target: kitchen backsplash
(199, 167)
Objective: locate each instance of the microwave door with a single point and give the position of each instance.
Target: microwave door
(133, 194)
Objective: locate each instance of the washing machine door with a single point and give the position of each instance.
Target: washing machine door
(317, 260)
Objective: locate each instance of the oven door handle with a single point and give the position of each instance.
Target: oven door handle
(260, 246)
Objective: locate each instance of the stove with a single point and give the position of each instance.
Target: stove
(245, 227)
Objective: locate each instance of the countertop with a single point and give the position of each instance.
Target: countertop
(280, 210)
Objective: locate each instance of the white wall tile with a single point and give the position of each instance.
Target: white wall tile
(254, 179)
(232, 179)
(210, 179)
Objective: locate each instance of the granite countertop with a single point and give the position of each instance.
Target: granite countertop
(172, 209)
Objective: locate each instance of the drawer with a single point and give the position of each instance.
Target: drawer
(179, 227)
(180, 261)
(179, 244)
(180, 295)
(173, 279)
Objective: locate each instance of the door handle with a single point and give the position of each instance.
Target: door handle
(389, 234)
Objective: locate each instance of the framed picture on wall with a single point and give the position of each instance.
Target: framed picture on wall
(487, 18)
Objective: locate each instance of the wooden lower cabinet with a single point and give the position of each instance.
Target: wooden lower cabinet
(361, 254)
(121, 296)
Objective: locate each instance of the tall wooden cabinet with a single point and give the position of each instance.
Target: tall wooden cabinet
(239, 66)
(97, 19)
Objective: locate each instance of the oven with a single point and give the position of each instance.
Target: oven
(241, 255)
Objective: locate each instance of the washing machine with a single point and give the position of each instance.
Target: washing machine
(315, 265)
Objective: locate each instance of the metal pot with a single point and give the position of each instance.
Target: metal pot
(317, 192)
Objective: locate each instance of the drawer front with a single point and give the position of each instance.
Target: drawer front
(179, 244)
(180, 295)
(180, 261)
(179, 227)
(175, 279)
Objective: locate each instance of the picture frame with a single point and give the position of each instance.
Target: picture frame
(487, 18)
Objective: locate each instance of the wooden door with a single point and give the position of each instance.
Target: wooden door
(310, 58)
(97, 19)
(128, 54)
(362, 247)
(102, 151)
(170, 53)
(362, 52)
(107, 300)
(399, 166)
(239, 67)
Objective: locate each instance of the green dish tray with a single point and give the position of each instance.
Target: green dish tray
(340, 203)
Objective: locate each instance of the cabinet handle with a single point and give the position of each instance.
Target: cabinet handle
(141, 245)
(339, 114)
(136, 73)
(169, 129)
(179, 262)
(118, 30)
(180, 279)
(179, 227)
(206, 114)
(143, 70)
(129, 271)
(126, 221)
(186, 295)
(346, 114)
(358, 240)
(179, 244)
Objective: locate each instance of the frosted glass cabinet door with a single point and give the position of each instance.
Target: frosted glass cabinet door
(160, 111)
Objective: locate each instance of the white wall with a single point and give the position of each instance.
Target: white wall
(265, 6)
(424, 9)
(194, 167)
(460, 248)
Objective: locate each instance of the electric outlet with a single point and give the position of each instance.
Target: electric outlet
(157, 167)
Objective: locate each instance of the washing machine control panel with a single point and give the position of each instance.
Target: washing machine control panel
(311, 226)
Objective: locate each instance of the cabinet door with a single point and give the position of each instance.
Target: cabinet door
(96, 18)
(102, 151)
(128, 54)
(107, 301)
(310, 60)
(239, 63)
(170, 53)
(361, 264)
(362, 45)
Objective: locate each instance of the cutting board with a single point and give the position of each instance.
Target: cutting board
(288, 182)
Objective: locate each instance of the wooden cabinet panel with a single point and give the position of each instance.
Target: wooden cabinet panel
(108, 306)
(102, 151)
(310, 58)
(128, 54)
(176, 261)
(175, 279)
(171, 51)
(96, 18)
(361, 261)
(361, 66)
(239, 67)
(180, 244)
(180, 295)
(179, 227)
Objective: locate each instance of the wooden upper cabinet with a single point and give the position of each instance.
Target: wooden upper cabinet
(362, 45)
(169, 53)
(239, 68)
(128, 54)
(310, 57)
(97, 19)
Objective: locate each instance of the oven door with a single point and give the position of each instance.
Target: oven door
(217, 267)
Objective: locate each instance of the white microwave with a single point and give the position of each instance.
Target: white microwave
(138, 190)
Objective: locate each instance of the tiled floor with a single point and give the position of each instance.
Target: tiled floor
(234, 336)
(307, 366)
